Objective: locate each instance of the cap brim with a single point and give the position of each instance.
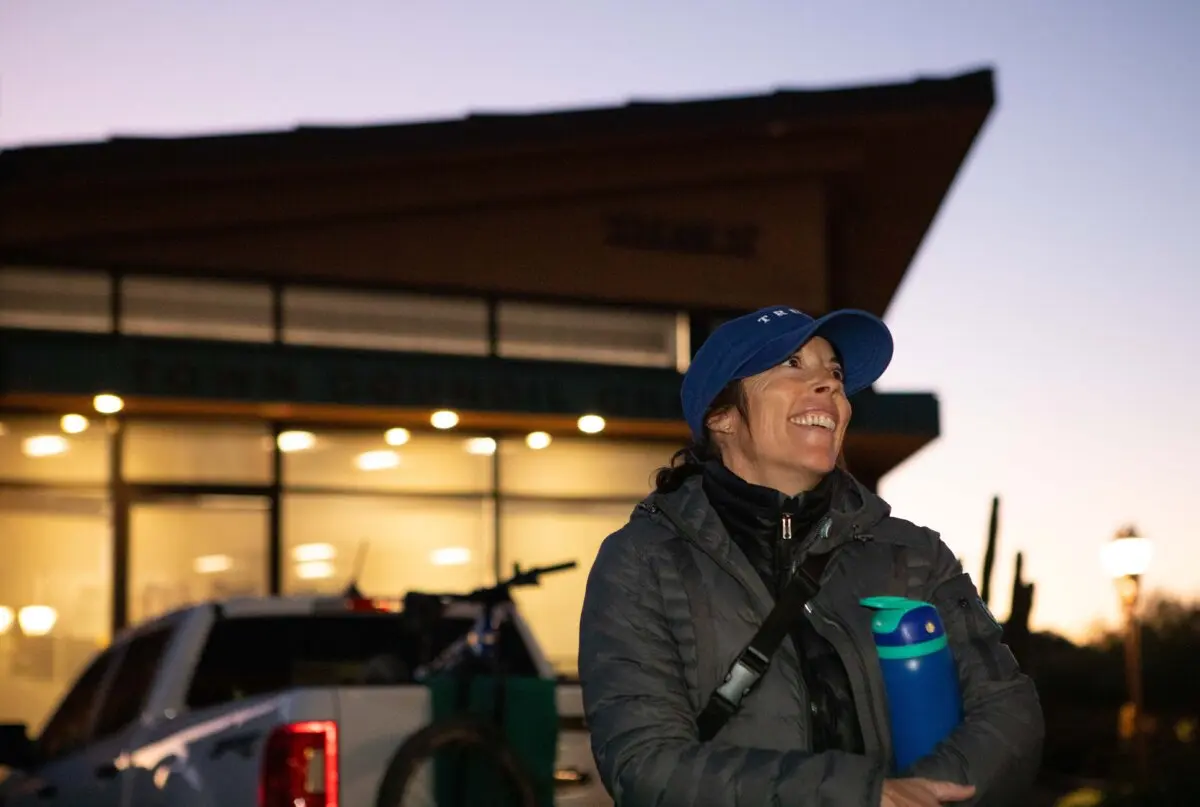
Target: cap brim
(861, 339)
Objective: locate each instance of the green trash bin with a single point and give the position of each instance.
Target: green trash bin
(530, 728)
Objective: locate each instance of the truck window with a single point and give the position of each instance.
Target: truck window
(70, 728)
(131, 685)
(249, 656)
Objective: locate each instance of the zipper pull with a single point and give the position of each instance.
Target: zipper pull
(785, 527)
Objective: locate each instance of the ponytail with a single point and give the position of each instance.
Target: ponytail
(685, 462)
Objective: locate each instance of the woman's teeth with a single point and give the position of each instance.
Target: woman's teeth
(815, 419)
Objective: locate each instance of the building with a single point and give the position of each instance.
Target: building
(280, 315)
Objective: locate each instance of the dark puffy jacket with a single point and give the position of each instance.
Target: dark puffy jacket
(670, 603)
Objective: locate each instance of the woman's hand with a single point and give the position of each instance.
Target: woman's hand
(923, 793)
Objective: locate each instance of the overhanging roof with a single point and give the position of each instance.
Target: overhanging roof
(636, 120)
(898, 148)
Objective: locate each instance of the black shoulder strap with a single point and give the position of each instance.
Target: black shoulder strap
(752, 663)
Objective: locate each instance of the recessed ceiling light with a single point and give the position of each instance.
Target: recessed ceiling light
(591, 424)
(108, 404)
(314, 570)
(295, 441)
(37, 620)
(380, 460)
(450, 556)
(537, 440)
(44, 445)
(444, 419)
(396, 437)
(482, 446)
(73, 424)
(212, 564)
(305, 553)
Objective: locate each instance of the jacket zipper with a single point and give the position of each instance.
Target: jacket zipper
(785, 558)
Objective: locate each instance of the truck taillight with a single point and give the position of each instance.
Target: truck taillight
(300, 766)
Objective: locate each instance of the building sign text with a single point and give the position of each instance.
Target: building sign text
(681, 236)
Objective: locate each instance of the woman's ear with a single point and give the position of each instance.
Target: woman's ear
(721, 422)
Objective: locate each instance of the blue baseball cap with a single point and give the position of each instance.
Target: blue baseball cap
(756, 342)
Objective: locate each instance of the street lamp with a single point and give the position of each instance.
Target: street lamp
(1126, 558)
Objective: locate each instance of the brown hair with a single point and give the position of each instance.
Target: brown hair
(691, 458)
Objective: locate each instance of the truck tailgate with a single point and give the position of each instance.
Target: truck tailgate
(372, 723)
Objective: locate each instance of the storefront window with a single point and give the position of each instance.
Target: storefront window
(545, 533)
(197, 309)
(55, 299)
(403, 544)
(53, 450)
(581, 468)
(55, 595)
(190, 549)
(605, 336)
(384, 321)
(353, 460)
(189, 452)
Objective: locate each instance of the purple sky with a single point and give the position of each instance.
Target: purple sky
(1051, 306)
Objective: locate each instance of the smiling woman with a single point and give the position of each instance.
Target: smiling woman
(755, 535)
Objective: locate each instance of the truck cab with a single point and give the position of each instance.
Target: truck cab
(257, 702)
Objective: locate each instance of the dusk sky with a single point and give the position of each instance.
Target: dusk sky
(1052, 306)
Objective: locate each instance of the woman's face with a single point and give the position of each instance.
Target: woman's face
(798, 414)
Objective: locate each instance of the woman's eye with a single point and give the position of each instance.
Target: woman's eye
(839, 374)
(793, 361)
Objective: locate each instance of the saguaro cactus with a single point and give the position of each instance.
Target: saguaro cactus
(989, 555)
(1016, 630)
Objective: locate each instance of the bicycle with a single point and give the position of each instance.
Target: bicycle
(475, 743)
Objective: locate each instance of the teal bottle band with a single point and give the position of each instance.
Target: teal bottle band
(908, 651)
(889, 611)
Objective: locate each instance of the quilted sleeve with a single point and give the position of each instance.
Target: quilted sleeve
(998, 747)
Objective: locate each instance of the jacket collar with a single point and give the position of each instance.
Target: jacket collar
(853, 511)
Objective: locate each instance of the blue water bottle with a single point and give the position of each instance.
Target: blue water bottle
(919, 673)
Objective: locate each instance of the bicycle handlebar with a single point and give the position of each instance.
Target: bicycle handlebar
(499, 592)
(530, 577)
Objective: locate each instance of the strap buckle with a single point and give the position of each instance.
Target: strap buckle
(741, 678)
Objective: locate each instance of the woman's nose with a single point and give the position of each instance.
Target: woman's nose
(826, 384)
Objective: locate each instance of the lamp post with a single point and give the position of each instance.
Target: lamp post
(1126, 558)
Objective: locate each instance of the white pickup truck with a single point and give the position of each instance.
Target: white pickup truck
(256, 702)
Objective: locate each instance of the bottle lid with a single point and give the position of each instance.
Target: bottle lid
(900, 622)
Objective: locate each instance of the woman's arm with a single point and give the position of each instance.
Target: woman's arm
(998, 747)
(642, 725)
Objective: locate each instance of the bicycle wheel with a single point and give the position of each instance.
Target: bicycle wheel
(458, 762)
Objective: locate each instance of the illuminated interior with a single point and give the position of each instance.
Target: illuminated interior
(400, 508)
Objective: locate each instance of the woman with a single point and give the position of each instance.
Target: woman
(676, 596)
